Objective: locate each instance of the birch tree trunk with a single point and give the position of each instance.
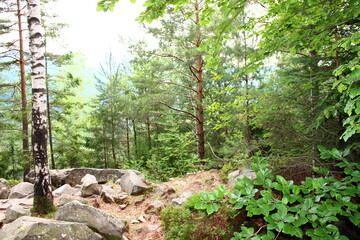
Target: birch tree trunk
(43, 201)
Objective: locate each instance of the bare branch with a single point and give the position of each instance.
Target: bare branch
(179, 110)
(170, 56)
(302, 54)
(177, 84)
(185, 74)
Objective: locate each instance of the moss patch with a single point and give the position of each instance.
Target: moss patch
(43, 206)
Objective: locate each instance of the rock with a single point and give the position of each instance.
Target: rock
(58, 176)
(13, 212)
(141, 219)
(28, 228)
(65, 189)
(4, 182)
(2, 217)
(121, 198)
(21, 190)
(74, 176)
(4, 204)
(164, 191)
(123, 206)
(233, 176)
(103, 222)
(107, 194)
(4, 193)
(153, 227)
(65, 198)
(134, 221)
(180, 182)
(138, 199)
(89, 186)
(132, 183)
(183, 197)
(155, 207)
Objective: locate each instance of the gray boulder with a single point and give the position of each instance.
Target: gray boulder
(74, 176)
(107, 194)
(4, 193)
(5, 203)
(183, 197)
(13, 212)
(233, 176)
(21, 190)
(132, 183)
(4, 182)
(89, 186)
(155, 207)
(2, 217)
(101, 175)
(65, 189)
(65, 198)
(30, 228)
(103, 222)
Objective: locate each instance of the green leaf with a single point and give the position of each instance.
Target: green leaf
(288, 228)
(211, 208)
(289, 218)
(297, 232)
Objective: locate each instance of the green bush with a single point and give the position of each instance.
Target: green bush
(177, 222)
(180, 223)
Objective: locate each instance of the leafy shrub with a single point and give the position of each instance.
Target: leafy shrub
(180, 223)
(177, 222)
(292, 211)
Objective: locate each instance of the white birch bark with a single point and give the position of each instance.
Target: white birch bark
(39, 125)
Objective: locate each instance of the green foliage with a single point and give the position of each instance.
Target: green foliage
(310, 209)
(177, 222)
(170, 155)
(14, 182)
(183, 224)
(106, 5)
(208, 201)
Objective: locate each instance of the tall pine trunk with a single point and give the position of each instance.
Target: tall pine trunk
(43, 200)
(24, 113)
(199, 89)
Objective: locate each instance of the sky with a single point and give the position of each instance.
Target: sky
(95, 34)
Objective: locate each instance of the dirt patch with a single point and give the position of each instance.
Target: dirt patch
(151, 228)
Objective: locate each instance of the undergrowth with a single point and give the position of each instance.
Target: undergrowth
(270, 207)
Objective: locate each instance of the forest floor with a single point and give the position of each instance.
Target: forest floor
(146, 226)
(143, 224)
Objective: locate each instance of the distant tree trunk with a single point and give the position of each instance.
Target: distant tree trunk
(49, 112)
(135, 136)
(247, 101)
(43, 200)
(113, 136)
(127, 138)
(148, 125)
(104, 146)
(25, 122)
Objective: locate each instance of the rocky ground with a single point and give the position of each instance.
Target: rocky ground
(141, 212)
(144, 219)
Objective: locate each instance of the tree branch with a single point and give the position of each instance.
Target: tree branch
(170, 56)
(177, 84)
(179, 110)
(302, 54)
(185, 74)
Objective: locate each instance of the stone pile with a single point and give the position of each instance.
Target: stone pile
(74, 219)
